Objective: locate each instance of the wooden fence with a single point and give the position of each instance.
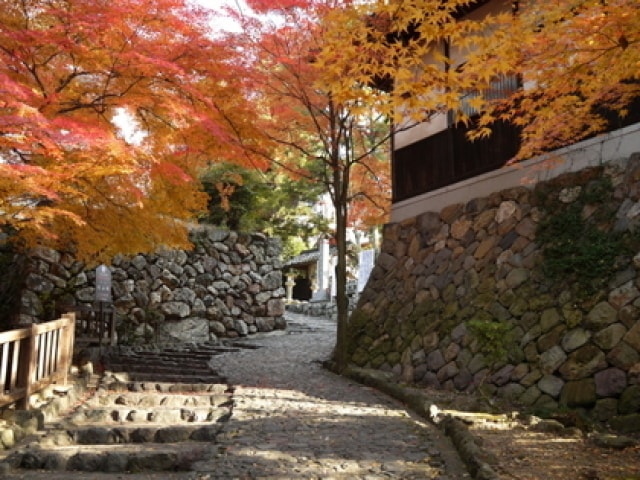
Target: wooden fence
(34, 357)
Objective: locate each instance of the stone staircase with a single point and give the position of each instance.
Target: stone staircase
(176, 364)
(152, 410)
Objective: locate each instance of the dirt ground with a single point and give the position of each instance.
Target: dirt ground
(518, 448)
(526, 455)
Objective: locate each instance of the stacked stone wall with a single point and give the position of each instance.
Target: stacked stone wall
(229, 285)
(327, 309)
(479, 263)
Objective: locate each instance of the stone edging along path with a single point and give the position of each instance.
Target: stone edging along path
(466, 445)
(464, 426)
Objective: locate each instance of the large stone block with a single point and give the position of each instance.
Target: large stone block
(550, 360)
(583, 363)
(551, 385)
(610, 336)
(549, 319)
(626, 423)
(623, 295)
(435, 360)
(575, 338)
(275, 307)
(511, 391)
(580, 393)
(530, 396)
(610, 382)
(623, 356)
(192, 329)
(629, 400)
(605, 409)
(600, 316)
(175, 309)
(632, 337)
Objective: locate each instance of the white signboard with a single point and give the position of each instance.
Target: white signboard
(103, 284)
(366, 261)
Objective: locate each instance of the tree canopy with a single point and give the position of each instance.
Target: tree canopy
(577, 62)
(73, 174)
(580, 66)
(305, 131)
(244, 199)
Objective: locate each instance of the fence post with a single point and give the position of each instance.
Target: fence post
(67, 347)
(112, 327)
(27, 362)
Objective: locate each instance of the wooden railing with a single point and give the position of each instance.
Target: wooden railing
(34, 357)
(95, 325)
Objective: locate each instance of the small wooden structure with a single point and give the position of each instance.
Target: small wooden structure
(95, 325)
(303, 271)
(34, 357)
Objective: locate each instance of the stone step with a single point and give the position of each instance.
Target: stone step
(161, 415)
(154, 368)
(170, 400)
(168, 377)
(150, 412)
(201, 351)
(201, 356)
(121, 383)
(170, 354)
(104, 435)
(132, 457)
(146, 377)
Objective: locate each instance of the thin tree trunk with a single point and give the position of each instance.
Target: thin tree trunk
(341, 184)
(342, 301)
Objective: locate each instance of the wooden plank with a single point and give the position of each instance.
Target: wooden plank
(13, 380)
(28, 371)
(49, 326)
(38, 340)
(13, 335)
(4, 365)
(55, 351)
(68, 342)
(46, 354)
(12, 397)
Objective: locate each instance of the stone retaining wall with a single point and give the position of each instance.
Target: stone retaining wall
(327, 309)
(440, 275)
(229, 285)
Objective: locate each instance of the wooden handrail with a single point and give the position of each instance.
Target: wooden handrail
(34, 357)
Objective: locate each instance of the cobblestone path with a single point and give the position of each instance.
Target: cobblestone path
(294, 419)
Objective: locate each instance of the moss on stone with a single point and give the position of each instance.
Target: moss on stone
(572, 316)
(360, 357)
(507, 298)
(450, 310)
(377, 361)
(540, 302)
(393, 358)
(449, 293)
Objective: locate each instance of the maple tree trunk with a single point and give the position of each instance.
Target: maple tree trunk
(342, 301)
(341, 187)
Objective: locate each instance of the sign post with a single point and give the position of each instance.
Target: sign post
(104, 299)
(103, 284)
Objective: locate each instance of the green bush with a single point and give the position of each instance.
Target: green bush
(493, 337)
(582, 249)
